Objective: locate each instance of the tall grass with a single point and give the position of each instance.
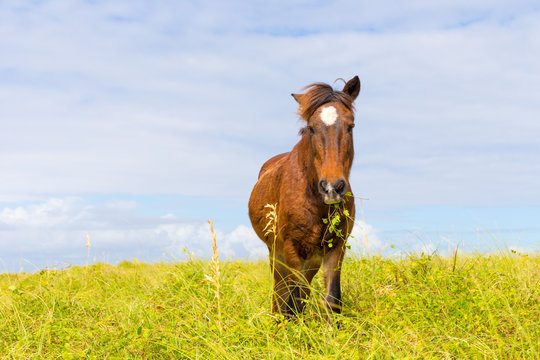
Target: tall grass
(477, 306)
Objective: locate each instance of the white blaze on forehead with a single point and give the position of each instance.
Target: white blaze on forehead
(329, 115)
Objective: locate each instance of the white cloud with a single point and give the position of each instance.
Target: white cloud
(428, 249)
(55, 231)
(242, 242)
(365, 240)
(53, 213)
(254, 247)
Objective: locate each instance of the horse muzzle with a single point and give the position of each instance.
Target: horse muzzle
(332, 193)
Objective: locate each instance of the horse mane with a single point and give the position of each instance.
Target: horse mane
(317, 95)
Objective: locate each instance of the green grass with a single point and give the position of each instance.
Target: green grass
(481, 307)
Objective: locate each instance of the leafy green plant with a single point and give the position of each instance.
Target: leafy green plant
(336, 213)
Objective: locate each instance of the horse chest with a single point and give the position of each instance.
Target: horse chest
(305, 233)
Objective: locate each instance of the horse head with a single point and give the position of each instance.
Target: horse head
(329, 116)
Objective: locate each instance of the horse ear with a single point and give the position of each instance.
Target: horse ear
(352, 87)
(297, 97)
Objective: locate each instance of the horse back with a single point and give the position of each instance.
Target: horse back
(270, 163)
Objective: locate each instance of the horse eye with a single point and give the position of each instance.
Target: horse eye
(349, 128)
(311, 130)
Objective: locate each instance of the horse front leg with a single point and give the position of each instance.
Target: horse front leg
(332, 277)
(281, 274)
(310, 268)
(289, 282)
(288, 291)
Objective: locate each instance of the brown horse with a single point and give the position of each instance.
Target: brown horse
(306, 185)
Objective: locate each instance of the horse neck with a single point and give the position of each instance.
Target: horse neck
(304, 161)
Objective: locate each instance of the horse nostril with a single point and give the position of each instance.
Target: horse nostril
(323, 186)
(340, 186)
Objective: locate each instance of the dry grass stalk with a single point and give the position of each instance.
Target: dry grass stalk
(271, 225)
(271, 228)
(88, 247)
(214, 268)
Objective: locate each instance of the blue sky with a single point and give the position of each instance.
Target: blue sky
(137, 121)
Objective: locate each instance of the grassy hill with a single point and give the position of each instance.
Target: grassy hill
(478, 306)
